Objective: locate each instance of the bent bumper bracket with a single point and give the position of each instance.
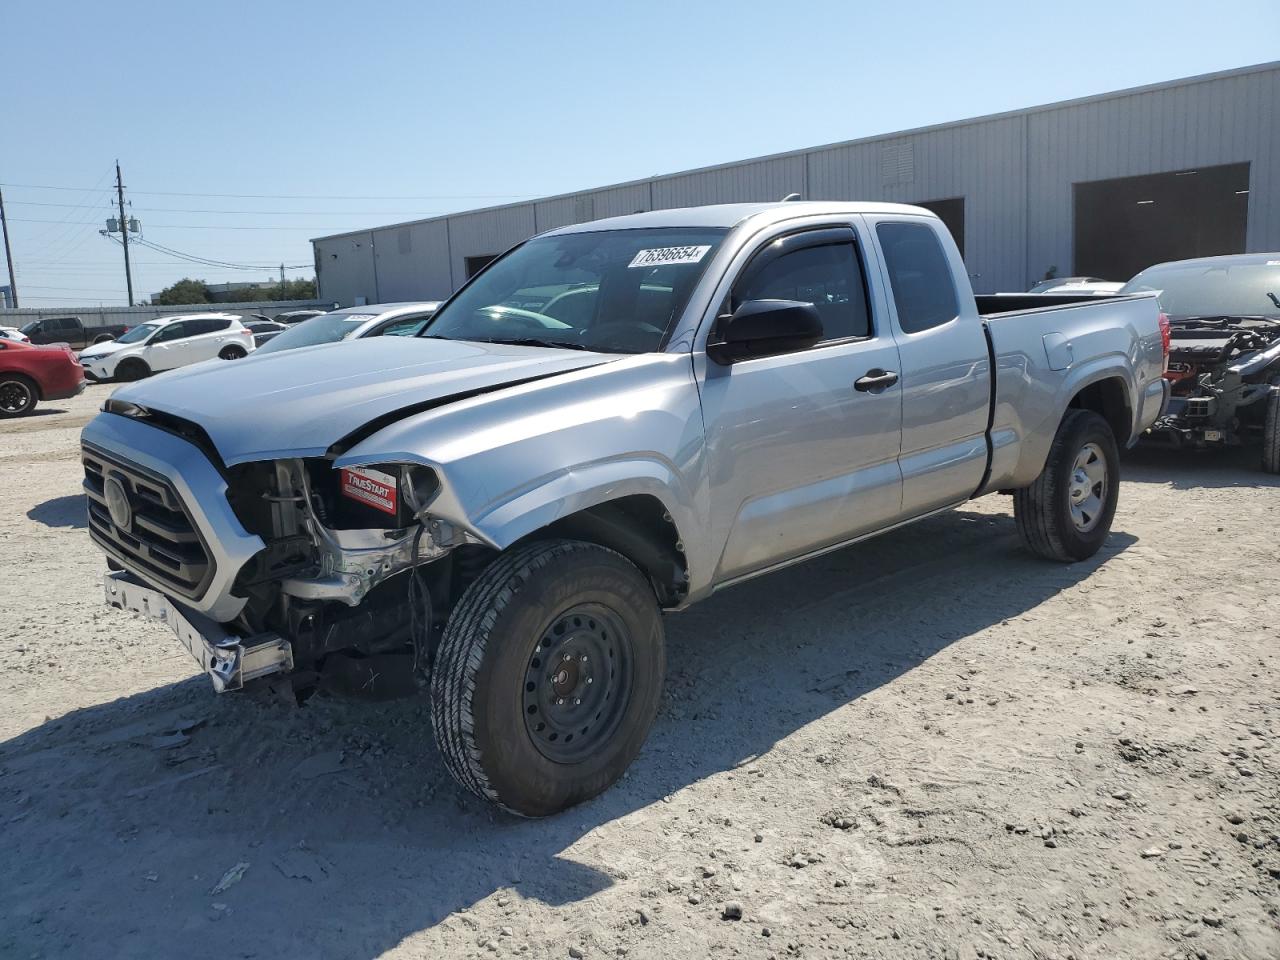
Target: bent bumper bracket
(229, 660)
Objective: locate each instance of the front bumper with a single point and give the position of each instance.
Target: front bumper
(230, 661)
(197, 484)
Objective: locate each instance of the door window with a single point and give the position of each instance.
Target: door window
(174, 331)
(923, 289)
(206, 325)
(829, 276)
(403, 326)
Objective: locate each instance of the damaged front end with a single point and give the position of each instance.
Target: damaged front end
(355, 570)
(1221, 370)
(284, 567)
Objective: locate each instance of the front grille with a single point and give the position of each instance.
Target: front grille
(160, 540)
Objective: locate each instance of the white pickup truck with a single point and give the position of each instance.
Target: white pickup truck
(612, 420)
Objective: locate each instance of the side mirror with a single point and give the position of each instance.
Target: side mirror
(761, 328)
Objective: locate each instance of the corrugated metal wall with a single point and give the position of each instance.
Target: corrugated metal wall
(1014, 171)
(1226, 120)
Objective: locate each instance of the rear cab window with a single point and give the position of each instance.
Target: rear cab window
(924, 290)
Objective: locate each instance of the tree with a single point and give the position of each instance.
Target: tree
(268, 292)
(183, 292)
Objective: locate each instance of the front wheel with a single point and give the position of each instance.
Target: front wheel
(132, 369)
(1066, 514)
(1271, 433)
(548, 676)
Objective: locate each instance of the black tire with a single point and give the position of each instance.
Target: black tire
(233, 352)
(530, 603)
(1271, 433)
(132, 369)
(105, 338)
(1046, 520)
(18, 395)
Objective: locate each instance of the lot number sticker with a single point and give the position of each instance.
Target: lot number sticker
(665, 256)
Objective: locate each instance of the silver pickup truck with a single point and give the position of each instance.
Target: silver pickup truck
(611, 421)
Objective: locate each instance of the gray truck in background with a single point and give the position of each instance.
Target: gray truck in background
(611, 421)
(71, 331)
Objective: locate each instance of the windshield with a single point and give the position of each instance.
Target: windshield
(1221, 289)
(614, 291)
(326, 328)
(138, 333)
(28, 327)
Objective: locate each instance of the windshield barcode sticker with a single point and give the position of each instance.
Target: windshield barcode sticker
(665, 256)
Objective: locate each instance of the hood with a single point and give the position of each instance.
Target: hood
(298, 403)
(103, 349)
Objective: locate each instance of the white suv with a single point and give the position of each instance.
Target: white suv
(167, 343)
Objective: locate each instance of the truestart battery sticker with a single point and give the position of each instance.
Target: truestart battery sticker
(371, 487)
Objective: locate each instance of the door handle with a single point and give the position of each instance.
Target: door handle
(875, 381)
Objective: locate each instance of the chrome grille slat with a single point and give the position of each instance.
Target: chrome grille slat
(162, 541)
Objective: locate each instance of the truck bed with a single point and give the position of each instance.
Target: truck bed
(1046, 345)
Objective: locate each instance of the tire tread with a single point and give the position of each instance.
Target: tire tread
(1271, 433)
(1034, 509)
(461, 653)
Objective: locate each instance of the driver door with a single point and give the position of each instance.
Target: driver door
(800, 456)
(171, 347)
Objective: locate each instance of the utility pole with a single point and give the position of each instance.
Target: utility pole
(282, 281)
(124, 232)
(8, 253)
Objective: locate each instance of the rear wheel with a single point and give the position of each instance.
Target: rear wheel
(548, 676)
(132, 369)
(233, 353)
(18, 395)
(1066, 513)
(1271, 433)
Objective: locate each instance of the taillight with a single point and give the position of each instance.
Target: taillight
(1165, 339)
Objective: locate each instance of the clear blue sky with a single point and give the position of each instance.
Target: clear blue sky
(472, 104)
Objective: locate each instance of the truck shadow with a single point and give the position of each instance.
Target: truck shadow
(1190, 469)
(61, 512)
(120, 819)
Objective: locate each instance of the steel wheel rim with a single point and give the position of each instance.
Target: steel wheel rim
(577, 684)
(1087, 487)
(14, 396)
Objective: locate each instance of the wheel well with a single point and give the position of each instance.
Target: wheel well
(639, 528)
(19, 375)
(1109, 399)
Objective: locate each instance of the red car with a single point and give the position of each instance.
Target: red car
(29, 374)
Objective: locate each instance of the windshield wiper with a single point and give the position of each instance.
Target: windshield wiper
(535, 342)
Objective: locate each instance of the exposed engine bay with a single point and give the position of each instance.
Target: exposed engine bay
(354, 564)
(1221, 371)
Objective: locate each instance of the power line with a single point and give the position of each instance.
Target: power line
(254, 213)
(207, 261)
(182, 226)
(289, 196)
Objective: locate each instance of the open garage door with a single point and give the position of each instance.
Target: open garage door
(951, 213)
(1125, 225)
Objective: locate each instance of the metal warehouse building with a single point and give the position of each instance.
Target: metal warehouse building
(1101, 186)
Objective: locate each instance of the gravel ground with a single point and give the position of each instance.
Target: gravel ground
(927, 746)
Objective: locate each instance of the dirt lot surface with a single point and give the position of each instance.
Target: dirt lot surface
(927, 746)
